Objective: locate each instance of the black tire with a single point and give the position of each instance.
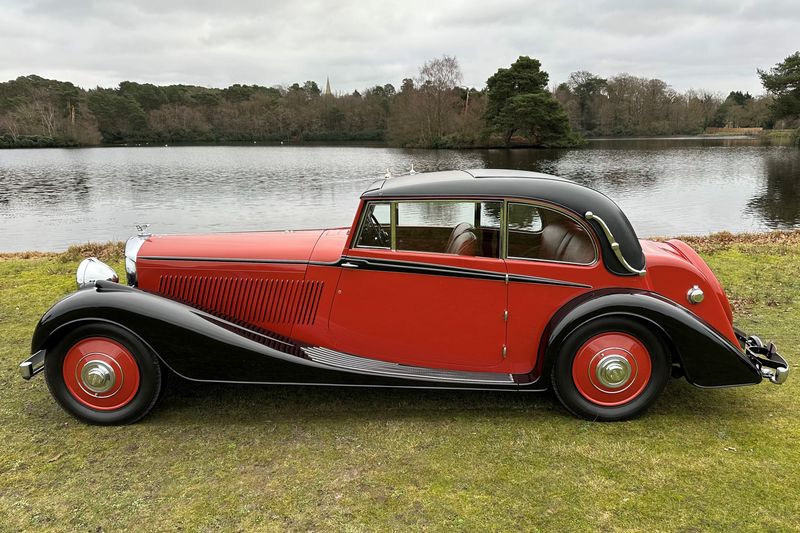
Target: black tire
(150, 376)
(576, 403)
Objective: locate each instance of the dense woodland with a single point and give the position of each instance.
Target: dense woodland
(431, 109)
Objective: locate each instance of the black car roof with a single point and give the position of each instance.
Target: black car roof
(501, 183)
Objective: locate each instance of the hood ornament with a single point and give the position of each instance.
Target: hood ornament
(141, 230)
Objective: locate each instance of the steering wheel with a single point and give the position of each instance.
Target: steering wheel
(381, 237)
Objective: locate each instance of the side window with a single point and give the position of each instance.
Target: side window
(543, 234)
(449, 227)
(376, 226)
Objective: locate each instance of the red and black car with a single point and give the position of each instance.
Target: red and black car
(480, 279)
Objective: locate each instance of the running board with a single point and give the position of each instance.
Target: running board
(362, 365)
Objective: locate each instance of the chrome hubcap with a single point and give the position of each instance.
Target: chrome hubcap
(613, 371)
(98, 376)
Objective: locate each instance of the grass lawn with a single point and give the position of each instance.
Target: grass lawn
(216, 457)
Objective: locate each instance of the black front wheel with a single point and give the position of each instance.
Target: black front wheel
(103, 374)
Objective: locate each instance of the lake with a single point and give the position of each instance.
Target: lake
(52, 198)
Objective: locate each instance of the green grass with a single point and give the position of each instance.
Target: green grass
(214, 457)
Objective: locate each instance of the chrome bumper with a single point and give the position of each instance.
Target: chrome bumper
(766, 358)
(32, 365)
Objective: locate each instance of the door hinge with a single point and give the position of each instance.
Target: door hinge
(505, 315)
(505, 350)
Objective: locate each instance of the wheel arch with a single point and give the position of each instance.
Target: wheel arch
(705, 357)
(54, 336)
(558, 337)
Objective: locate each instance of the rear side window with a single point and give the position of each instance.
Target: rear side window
(454, 227)
(538, 233)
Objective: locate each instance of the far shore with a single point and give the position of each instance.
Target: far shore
(780, 137)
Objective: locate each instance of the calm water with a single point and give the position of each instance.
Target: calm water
(52, 198)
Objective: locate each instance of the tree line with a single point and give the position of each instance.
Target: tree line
(431, 109)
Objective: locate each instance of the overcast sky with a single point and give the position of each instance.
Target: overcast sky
(711, 44)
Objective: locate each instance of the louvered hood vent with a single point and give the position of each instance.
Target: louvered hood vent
(257, 301)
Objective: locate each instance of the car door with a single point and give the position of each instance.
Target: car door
(423, 284)
(551, 258)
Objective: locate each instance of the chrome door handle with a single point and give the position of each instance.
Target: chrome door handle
(348, 264)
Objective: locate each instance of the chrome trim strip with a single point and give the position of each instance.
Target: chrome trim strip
(226, 260)
(243, 260)
(376, 367)
(614, 244)
(444, 270)
(393, 264)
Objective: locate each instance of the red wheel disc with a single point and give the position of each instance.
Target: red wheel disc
(101, 373)
(611, 369)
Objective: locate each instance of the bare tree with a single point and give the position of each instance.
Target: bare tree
(437, 81)
(43, 107)
(8, 122)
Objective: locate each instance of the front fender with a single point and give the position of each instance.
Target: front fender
(194, 344)
(707, 358)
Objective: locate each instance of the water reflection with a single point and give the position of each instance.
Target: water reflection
(52, 198)
(779, 202)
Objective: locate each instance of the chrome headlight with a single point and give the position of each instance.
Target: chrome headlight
(91, 270)
(131, 252)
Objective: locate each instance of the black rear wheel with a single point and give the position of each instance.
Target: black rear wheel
(610, 369)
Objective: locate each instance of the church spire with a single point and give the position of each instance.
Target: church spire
(328, 87)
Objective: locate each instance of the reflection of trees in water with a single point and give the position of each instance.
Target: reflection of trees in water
(490, 214)
(427, 160)
(45, 186)
(434, 213)
(524, 217)
(602, 165)
(447, 214)
(779, 202)
(537, 160)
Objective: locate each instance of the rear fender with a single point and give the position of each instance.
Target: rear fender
(706, 357)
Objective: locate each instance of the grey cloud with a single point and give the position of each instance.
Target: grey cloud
(715, 44)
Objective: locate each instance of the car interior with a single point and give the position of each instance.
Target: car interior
(533, 233)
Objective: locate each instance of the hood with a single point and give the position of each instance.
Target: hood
(255, 278)
(288, 246)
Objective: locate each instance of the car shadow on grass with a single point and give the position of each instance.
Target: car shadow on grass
(193, 403)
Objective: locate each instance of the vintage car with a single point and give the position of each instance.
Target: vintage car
(478, 279)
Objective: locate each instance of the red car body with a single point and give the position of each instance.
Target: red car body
(605, 318)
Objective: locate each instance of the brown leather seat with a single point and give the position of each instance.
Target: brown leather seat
(566, 241)
(464, 244)
(458, 230)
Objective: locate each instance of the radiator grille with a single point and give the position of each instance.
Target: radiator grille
(250, 300)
